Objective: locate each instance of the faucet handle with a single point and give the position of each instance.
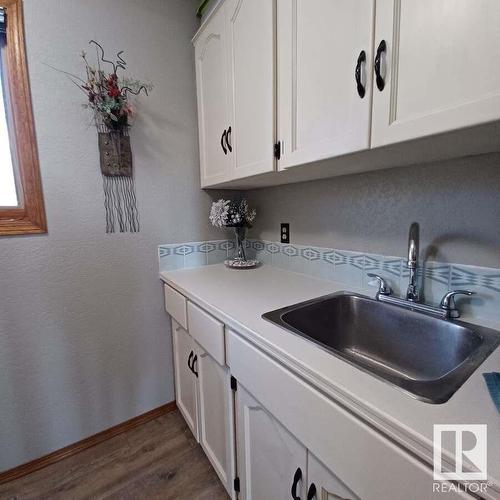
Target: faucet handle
(448, 302)
(383, 286)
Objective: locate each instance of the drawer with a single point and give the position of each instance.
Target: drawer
(369, 464)
(207, 331)
(175, 304)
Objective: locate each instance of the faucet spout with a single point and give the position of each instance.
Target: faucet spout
(413, 293)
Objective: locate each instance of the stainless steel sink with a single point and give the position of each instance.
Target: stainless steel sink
(428, 357)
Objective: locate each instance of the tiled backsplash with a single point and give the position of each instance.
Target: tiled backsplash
(351, 268)
(194, 254)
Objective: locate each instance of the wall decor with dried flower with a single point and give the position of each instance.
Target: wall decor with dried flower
(109, 98)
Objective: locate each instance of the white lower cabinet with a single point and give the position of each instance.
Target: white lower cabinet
(271, 462)
(323, 484)
(185, 380)
(358, 457)
(205, 400)
(270, 435)
(216, 417)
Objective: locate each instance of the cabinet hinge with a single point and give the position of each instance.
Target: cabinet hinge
(234, 384)
(277, 150)
(237, 484)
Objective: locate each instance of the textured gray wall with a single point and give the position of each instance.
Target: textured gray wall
(456, 202)
(84, 340)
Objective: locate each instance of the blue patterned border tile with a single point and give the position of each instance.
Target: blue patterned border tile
(281, 258)
(193, 254)
(273, 248)
(485, 282)
(289, 250)
(349, 268)
(164, 251)
(475, 277)
(435, 278)
(328, 255)
(389, 268)
(310, 260)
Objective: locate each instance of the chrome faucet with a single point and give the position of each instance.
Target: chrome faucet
(447, 308)
(413, 293)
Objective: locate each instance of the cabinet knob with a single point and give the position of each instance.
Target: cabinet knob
(357, 74)
(195, 362)
(191, 354)
(382, 48)
(296, 478)
(228, 140)
(312, 492)
(222, 139)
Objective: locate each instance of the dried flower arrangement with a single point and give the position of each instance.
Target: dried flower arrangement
(108, 96)
(228, 213)
(238, 215)
(107, 93)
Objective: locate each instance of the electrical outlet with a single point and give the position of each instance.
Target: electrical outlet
(285, 232)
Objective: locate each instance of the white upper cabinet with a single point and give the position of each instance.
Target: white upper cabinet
(213, 114)
(251, 50)
(324, 50)
(440, 67)
(235, 56)
(324, 79)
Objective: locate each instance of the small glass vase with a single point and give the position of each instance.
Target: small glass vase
(239, 261)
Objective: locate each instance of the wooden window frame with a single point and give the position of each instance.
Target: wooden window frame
(29, 217)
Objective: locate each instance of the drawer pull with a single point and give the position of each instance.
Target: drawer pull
(312, 492)
(296, 478)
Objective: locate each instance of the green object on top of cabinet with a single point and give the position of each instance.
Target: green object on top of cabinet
(202, 7)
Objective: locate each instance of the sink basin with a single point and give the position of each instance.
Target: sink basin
(427, 357)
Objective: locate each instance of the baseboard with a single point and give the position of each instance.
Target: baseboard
(72, 449)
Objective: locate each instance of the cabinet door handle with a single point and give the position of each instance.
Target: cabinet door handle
(195, 362)
(228, 140)
(357, 74)
(222, 139)
(191, 354)
(379, 79)
(312, 492)
(296, 478)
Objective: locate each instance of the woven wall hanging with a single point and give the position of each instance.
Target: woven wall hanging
(109, 97)
(120, 202)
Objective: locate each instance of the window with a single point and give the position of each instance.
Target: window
(21, 200)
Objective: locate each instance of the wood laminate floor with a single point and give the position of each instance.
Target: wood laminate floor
(157, 460)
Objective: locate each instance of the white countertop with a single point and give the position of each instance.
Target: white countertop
(240, 297)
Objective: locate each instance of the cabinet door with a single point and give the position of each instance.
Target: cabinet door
(251, 55)
(216, 416)
(320, 113)
(185, 380)
(211, 85)
(268, 455)
(326, 484)
(439, 67)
